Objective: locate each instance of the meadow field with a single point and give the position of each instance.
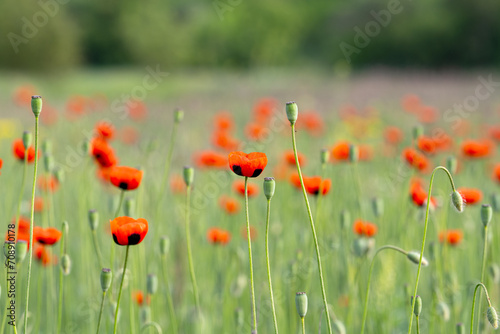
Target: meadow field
(367, 142)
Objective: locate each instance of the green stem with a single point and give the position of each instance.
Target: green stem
(169, 298)
(482, 273)
(474, 303)
(100, 312)
(269, 266)
(59, 312)
(190, 256)
(303, 320)
(425, 234)
(418, 327)
(365, 309)
(32, 218)
(313, 230)
(120, 292)
(96, 247)
(117, 212)
(249, 239)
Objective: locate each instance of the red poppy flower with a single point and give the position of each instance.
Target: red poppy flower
(224, 140)
(103, 153)
(393, 135)
(22, 95)
(211, 159)
(289, 158)
(442, 141)
(76, 105)
(453, 237)
(1, 164)
(19, 149)
(42, 255)
(139, 298)
(105, 130)
(248, 165)
(223, 121)
(419, 195)
(263, 109)
(496, 172)
(416, 159)
(128, 231)
(23, 230)
(49, 115)
(137, 110)
(218, 236)
(315, 184)
(230, 205)
(477, 148)
(48, 183)
(39, 204)
(239, 187)
(341, 151)
(426, 145)
(370, 229)
(471, 195)
(312, 122)
(365, 228)
(46, 236)
(126, 178)
(256, 131)
(359, 227)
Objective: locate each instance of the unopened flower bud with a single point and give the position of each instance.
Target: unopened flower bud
(492, 316)
(129, 207)
(178, 115)
(36, 105)
(415, 258)
(460, 328)
(324, 156)
(65, 228)
(27, 138)
(292, 112)
(48, 163)
(269, 186)
(301, 303)
(486, 214)
(418, 131)
(106, 278)
(93, 219)
(47, 147)
(443, 311)
(66, 264)
(345, 219)
(495, 273)
(188, 175)
(145, 314)
(457, 201)
(152, 284)
(495, 201)
(418, 305)
(59, 174)
(353, 153)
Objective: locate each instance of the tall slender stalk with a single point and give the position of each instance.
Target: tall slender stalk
(313, 230)
(249, 239)
(425, 234)
(120, 292)
(117, 212)
(168, 161)
(269, 267)
(100, 311)
(485, 250)
(32, 218)
(173, 320)
(190, 256)
(367, 294)
(61, 253)
(474, 304)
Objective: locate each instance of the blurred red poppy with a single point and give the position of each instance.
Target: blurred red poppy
(239, 187)
(219, 236)
(19, 150)
(426, 145)
(471, 195)
(416, 159)
(312, 122)
(46, 236)
(223, 121)
(103, 153)
(411, 103)
(263, 109)
(211, 159)
(47, 183)
(224, 140)
(230, 205)
(477, 148)
(126, 178)
(453, 237)
(248, 165)
(22, 95)
(104, 130)
(393, 135)
(256, 131)
(361, 228)
(289, 158)
(137, 110)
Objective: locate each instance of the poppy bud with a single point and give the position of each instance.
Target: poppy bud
(178, 115)
(164, 245)
(418, 305)
(269, 186)
(415, 258)
(145, 314)
(353, 153)
(338, 327)
(324, 156)
(457, 201)
(36, 105)
(292, 112)
(495, 273)
(378, 206)
(345, 219)
(239, 317)
(66, 264)
(106, 278)
(418, 131)
(492, 316)
(93, 219)
(47, 147)
(443, 311)
(451, 164)
(460, 328)
(129, 207)
(301, 303)
(59, 174)
(65, 228)
(48, 163)
(27, 138)
(152, 284)
(188, 175)
(486, 214)
(21, 250)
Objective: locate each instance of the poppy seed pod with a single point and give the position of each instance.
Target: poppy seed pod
(415, 258)
(188, 175)
(353, 153)
(129, 207)
(21, 250)
(324, 156)
(292, 112)
(269, 186)
(492, 316)
(460, 328)
(27, 138)
(36, 105)
(457, 201)
(378, 206)
(164, 245)
(106, 278)
(178, 115)
(418, 305)
(152, 284)
(486, 214)
(93, 219)
(451, 164)
(301, 303)
(66, 264)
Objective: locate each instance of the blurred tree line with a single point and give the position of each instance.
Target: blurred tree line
(48, 34)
